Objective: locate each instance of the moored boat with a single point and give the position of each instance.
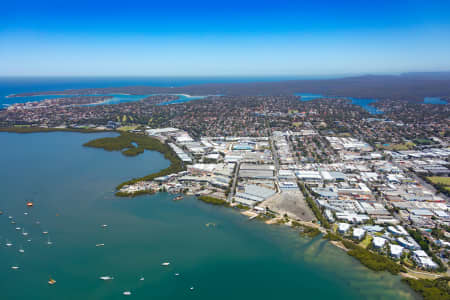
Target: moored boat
(178, 198)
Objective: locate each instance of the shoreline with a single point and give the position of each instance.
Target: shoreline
(51, 129)
(124, 143)
(174, 164)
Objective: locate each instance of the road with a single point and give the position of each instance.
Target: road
(233, 185)
(275, 159)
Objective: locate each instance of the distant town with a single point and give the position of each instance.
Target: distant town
(376, 185)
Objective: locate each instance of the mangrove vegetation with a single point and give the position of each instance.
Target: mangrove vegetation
(437, 289)
(131, 144)
(212, 200)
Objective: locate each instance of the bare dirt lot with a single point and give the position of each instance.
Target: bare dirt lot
(291, 203)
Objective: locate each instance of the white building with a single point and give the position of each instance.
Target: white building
(358, 233)
(396, 251)
(343, 228)
(378, 242)
(423, 260)
(397, 230)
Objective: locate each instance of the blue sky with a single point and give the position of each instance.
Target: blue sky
(198, 38)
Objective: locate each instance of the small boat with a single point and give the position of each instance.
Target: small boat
(177, 274)
(10, 217)
(25, 213)
(13, 222)
(15, 267)
(51, 281)
(18, 228)
(99, 245)
(142, 279)
(23, 232)
(191, 288)
(178, 198)
(104, 226)
(29, 240)
(29, 204)
(127, 293)
(44, 232)
(165, 264)
(106, 278)
(8, 244)
(21, 250)
(49, 242)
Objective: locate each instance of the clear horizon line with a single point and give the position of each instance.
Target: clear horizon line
(222, 76)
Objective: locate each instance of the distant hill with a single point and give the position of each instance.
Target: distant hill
(408, 87)
(427, 75)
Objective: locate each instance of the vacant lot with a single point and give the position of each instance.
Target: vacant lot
(291, 203)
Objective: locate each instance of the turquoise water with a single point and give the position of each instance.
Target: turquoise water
(15, 85)
(72, 188)
(364, 103)
(116, 98)
(434, 100)
(184, 98)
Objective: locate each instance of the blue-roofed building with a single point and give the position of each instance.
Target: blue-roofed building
(244, 146)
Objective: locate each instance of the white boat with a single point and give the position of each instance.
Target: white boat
(13, 222)
(23, 232)
(105, 278)
(177, 274)
(29, 240)
(127, 293)
(25, 213)
(142, 279)
(191, 288)
(104, 225)
(44, 232)
(18, 228)
(165, 264)
(99, 245)
(10, 217)
(49, 242)
(8, 244)
(15, 267)
(21, 250)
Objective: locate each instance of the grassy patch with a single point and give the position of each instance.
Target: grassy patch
(439, 180)
(398, 147)
(366, 242)
(128, 128)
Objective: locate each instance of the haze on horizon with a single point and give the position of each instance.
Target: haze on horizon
(232, 38)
